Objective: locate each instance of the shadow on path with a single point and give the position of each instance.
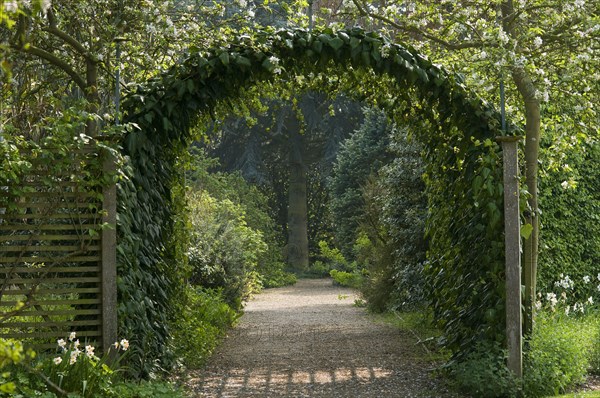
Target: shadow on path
(309, 340)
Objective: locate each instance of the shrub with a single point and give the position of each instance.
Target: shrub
(570, 233)
(277, 277)
(224, 250)
(558, 354)
(204, 319)
(483, 373)
(349, 279)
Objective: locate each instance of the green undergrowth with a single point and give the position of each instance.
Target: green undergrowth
(590, 394)
(204, 319)
(348, 279)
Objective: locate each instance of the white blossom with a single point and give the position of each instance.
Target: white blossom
(11, 6)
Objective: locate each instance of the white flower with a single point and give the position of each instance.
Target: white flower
(538, 305)
(76, 344)
(74, 354)
(551, 297)
(46, 5)
(89, 351)
(565, 282)
(579, 3)
(124, 344)
(10, 6)
(62, 344)
(483, 55)
(385, 50)
(598, 277)
(537, 41)
(503, 37)
(586, 279)
(590, 300)
(274, 60)
(72, 336)
(567, 310)
(57, 360)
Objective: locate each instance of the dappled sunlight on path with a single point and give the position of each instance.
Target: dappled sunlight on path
(309, 340)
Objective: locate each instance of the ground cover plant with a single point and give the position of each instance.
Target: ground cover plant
(74, 370)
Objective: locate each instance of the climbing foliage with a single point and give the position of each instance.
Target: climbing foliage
(463, 178)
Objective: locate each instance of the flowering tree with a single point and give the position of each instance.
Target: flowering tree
(547, 48)
(75, 42)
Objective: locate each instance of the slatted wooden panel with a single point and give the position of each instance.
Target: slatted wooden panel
(51, 254)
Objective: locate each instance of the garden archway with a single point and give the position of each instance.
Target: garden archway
(464, 174)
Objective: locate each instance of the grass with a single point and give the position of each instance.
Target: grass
(591, 394)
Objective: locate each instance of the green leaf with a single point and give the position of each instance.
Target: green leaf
(243, 61)
(526, 230)
(317, 46)
(224, 57)
(336, 43)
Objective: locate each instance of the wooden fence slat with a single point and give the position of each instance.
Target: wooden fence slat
(58, 206)
(31, 260)
(52, 291)
(50, 194)
(34, 281)
(48, 227)
(53, 216)
(42, 238)
(91, 322)
(44, 248)
(34, 312)
(52, 302)
(29, 270)
(50, 333)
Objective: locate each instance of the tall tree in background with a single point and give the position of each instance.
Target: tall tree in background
(297, 138)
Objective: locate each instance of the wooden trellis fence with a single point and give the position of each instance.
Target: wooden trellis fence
(57, 253)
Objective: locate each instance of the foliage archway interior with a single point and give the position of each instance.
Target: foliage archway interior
(465, 268)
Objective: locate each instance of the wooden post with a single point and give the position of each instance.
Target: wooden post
(512, 239)
(109, 260)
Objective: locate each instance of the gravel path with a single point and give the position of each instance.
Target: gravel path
(308, 340)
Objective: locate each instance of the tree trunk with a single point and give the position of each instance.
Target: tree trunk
(297, 247)
(532, 145)
(527, 89)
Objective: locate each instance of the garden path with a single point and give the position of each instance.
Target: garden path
(309, 340)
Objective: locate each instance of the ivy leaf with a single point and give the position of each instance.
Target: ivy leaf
(526, 230)
(224, 57)
(243, 61)
(336, 43)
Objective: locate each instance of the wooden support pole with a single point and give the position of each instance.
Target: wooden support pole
(109, 260)
(512, 239)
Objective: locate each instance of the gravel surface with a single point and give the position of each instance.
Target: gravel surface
(308, 340)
